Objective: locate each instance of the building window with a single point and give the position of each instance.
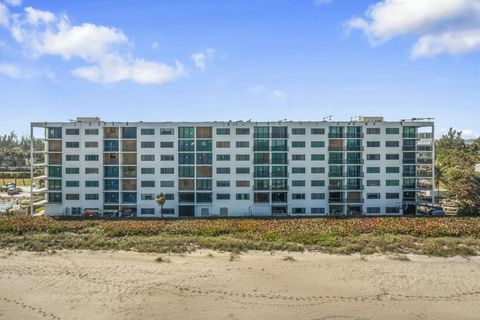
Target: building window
(318, 170)
(298, 211)
(147, 211)
(91, 157)
(317, 144)
(392, 210)
(204, 145)
(392, 170)
(71, 183)
(317, 131)
(298, 183)
(223, 184)
(223, 196)
(186, 145)
(129, 133)
(392, 131)
(298, 144)
(373, 196)
(54, 133)
(167, 157)
(91, 144)
(243, 170)
(186, 132)
(147, 144)
(92, 170)
(223, 157)
(392, 157)
(298, 157)
(72, 196)
(223, 131)
(373, 169)
(298, 131)
(72, 170)
(72, 157)
(298, 196)
(373, 183)
(166, 144)
(242, 183)
(91, 132)
(147, 131)
(167, 184)
(167, 170)
(72, 132)
(204, 171)
(91, 183)
(242, 157)
(373, 130)
(147, 196)
(317, 157)
(223, 170)
(186, 171)
(373, 209)
(204, 184)
(392, 144)
(223, 144)
(147, 157)
(204, 132)
(91, 196)
(242, 131)
(318, 210)
(147, 170)
(298, 170)
(317, 183)
(392, 183)
(242, 196)
(318, 196)
(373, 144)
(147, 184)
(373, 157)
(392, 196)
(242, 144)
(166, 131)
(72, 144)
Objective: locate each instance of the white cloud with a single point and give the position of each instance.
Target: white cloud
(4, 15)
(281, 96)
(14, 2)
(442, 26)
(470, 134)
(257, 89)
(155, 45)
(107, 50)
(202, 58)
(10, 70)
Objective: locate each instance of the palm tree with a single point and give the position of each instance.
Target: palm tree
(160, 199)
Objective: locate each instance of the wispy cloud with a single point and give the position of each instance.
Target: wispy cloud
(106, 51)
(281, 96)
(257, 88)
(203, 58)
(10, 70)
(14, 3)
(441, 26)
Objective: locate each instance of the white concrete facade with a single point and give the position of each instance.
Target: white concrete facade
(379, 167)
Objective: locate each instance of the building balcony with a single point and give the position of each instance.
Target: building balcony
(336, 187)
(336, 161)
(355, 135)
(355, 148)
(336, 135)
(355, 200)
(336, 174)
(354, 174)
(354, 187)
(355, 161)
(336, 148)
(336, 200)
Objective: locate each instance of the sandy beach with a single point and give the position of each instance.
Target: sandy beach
(256, 285)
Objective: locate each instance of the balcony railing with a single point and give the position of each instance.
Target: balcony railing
(336, 161)
(336, 148)
(336, 187)
(336, 135)
(355, 161)
(335, 200)
(355, 200)
(355, 187)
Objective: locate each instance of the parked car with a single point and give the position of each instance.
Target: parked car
(436, 211)
(13, 191)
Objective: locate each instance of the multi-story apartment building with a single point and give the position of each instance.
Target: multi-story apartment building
(364, 167)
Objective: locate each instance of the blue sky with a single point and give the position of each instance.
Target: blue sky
(238, 60)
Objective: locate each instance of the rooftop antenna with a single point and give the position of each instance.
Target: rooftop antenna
(329, 118)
